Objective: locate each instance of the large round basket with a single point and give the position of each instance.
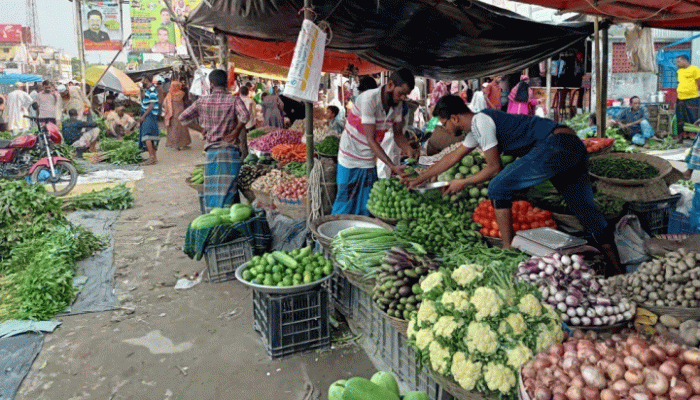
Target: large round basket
(359, 281)
(263, 198)
(453, 388)
(662, 165)
(654, 189)
(390, 221)
(331, 224)
(293, 209)
(601, 152)
(199, 187)
(401, 325)
(682, 313)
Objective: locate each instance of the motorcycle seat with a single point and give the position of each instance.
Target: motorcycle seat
(4, 143)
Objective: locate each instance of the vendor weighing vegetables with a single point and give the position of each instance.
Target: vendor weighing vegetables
(547, 151)
(374, 113)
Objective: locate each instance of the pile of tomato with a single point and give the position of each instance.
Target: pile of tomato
(594, 145)
(525, 217)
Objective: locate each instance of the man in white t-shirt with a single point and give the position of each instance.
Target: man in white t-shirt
(546, 151)
(374, 113)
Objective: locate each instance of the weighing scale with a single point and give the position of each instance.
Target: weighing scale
(544, 241)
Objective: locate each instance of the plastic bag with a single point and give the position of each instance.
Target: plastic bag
(629, 239)
(685, 203)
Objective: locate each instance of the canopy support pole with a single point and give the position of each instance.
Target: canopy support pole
(598, 80)
(108, 67)
(548, 89)
(604, 79)
(81, 49)
(223, 51)
(309, 109)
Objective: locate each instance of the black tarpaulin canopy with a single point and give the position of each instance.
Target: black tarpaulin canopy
(439, 39)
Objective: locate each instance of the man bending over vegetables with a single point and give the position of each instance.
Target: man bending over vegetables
(374, 113)
(547, 151)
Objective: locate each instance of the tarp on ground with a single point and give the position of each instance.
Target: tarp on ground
(440, 39)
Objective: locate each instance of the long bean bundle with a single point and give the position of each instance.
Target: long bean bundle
(623, 168)
(362, 249)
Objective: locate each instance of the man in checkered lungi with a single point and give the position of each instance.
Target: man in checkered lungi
(220, 117)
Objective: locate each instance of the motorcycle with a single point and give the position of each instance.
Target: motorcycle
(55, 172)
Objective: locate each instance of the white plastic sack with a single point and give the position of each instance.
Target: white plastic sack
(629, 239)
(304, 76)
(686, 201)
(200, 83)
(640, 49)
(393, 151)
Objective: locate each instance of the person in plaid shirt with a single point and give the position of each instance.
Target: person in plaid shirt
(220, 117)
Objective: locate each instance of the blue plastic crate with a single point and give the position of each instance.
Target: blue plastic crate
(679, 223)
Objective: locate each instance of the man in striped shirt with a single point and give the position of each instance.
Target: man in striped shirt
(150, 109)
(374, 113)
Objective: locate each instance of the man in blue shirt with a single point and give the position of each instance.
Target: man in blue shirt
(634, 120)
(150, 109)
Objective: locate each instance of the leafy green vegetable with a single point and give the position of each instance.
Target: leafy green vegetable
(296, 168)
(110, 198)
(328, 146)
(579, 122)
(127, 153)
(256, 134)
(38, 251)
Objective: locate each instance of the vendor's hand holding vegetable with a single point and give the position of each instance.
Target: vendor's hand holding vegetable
(455, 186)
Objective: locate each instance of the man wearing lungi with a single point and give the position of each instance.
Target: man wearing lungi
(374, 113)
(220, 117)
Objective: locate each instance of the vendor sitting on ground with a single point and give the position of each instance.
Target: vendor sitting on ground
(634, 121)
(119, 123)
(335, 123)
(547, 151)
(80, 134)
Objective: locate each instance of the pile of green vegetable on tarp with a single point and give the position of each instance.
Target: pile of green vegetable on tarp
(38, 251)
(111, 198)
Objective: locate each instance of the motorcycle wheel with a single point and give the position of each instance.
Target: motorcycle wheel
(66, 178)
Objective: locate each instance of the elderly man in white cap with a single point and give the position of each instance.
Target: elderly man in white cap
(18, 103)
(73, 98)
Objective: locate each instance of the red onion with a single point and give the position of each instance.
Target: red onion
(543, 394)
(656, 382)
(691, 356)
(669, 368)
(694, 382)
(680, 391)
(621, 387)
(591, 393)
(574, 393)
(689, 370)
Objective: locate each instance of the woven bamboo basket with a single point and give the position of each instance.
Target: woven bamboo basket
(390, 221)
(326, 242)
(199, 187)
(401, 325)
(292, 209)
(682, 313)
(357, 280)
(654, 189)
(662, 165)
(602, 152)
(263, 198)
(453, 388)
(605, 328)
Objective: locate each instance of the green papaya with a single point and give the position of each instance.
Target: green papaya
(335, 391)
(416, 396)
(240, 212)
(468, 161)
(220, 211)
(205, 221)
(363, 389)
(387, 381)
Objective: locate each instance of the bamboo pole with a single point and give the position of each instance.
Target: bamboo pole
(309, 109)
(604, 79)
(598, 82)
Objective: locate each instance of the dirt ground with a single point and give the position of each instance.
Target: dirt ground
(167, 344)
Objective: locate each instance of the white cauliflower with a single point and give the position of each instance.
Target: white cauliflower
(427, 313)
(487, 302)
(457, 300)
(466, 274)
(480, 338)
(446, 325)
(530, 305)
(433, 280)
(439, 358)
(424, 337)
(464, 371)
(516, 322)
(498, 377)
(518, 355)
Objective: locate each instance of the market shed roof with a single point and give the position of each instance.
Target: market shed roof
(668, 14)
(440, 39)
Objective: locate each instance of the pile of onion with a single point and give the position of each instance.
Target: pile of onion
(625, 366)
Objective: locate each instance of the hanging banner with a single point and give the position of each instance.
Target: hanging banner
(153, 29)
(305, 72)
(102, 25)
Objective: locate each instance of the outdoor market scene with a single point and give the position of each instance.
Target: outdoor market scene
(366, 200)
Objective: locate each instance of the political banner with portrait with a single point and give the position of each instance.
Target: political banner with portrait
(102, 25)
(153, 29)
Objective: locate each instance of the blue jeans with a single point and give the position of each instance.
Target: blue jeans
(562, 159)
(646, 132)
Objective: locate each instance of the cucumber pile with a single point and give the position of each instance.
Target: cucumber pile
(197, 177)
(397, 290)
(287, 268)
